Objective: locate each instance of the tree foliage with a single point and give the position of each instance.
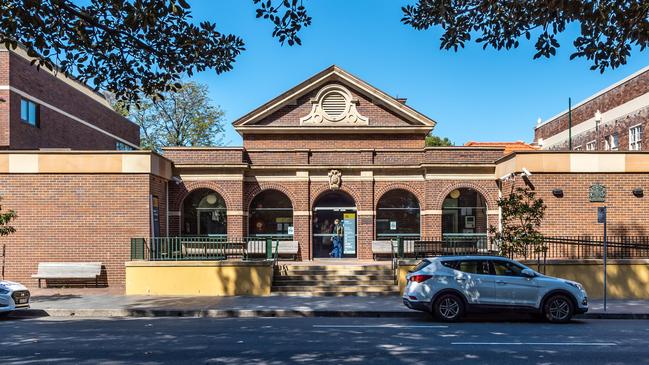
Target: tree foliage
(287, 26)
(185, 117)
(521, 216)
(608, 28)
(5, 220)
(435, 141)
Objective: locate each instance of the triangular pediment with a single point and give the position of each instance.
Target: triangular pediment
(330, 101)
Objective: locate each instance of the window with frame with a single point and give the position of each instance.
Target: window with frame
(29, 112)
(591, 146)
(611, 142)
(635, 138)
(480, 267)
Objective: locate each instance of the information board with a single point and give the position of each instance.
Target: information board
(349, 225)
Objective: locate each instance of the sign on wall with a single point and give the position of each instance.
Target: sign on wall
(349, 225)
(597, 193)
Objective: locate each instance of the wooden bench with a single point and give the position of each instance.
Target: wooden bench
(68, 270)
(286, 248)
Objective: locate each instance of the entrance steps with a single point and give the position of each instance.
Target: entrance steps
(334, 279)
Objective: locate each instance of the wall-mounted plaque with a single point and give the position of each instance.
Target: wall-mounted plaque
(597, 193)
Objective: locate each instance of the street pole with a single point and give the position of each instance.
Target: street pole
(601, 218)
(569, 124)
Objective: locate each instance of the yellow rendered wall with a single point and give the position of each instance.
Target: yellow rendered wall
(198, 279)
(624, 280)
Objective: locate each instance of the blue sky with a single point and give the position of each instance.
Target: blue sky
(474, 94)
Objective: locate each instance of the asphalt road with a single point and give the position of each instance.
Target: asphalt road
(320, 340)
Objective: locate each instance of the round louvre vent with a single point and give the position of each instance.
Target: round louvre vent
(334, 104)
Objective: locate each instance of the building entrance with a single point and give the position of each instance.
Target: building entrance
(331, 239)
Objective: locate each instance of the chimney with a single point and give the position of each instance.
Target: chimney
(402, 100)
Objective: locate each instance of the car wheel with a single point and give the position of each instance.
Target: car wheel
(4, 314)
(558, 309)
(448, 308)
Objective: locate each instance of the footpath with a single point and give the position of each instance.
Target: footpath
(63, 303)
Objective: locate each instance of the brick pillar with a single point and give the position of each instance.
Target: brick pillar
(302, 214)
(366, 217)
(237, 213)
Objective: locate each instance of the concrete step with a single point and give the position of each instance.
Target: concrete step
(284, 282)
(337, 288)
(364, 268)
(333, 294)
(334, 272)
(334, 277)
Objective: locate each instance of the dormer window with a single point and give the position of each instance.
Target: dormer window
(334, 104)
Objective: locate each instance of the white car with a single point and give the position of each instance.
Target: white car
(13, 296)
(450, 286)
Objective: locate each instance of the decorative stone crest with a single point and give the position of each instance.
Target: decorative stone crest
(334, 179)
(597, 193)
(334, 105)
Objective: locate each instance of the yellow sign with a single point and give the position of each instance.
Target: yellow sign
(349, 215)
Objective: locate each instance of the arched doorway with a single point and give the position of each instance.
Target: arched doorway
(398, 215)
(204, 214)
(464, 218)
(271, 215)
(329, 207)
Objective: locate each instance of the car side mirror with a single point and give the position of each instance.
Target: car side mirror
(528, 273)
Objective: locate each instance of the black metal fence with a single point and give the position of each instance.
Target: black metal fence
(554, 247)
(203, 248)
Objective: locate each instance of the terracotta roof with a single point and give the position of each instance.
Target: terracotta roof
(508, 146)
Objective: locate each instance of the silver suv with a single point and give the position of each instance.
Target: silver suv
(450, 286)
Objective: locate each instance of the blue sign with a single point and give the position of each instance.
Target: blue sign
(349, 225)
(601, 214)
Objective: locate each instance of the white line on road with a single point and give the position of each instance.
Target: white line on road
(371, 326)
(539, 343)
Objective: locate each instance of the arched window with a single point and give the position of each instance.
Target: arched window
(398, 215)
(464, 217)
(271, 214)
(204, 214)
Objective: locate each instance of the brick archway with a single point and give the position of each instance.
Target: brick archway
(320, 190)
(439, 202)
(261, 187)
(419, 195)
(189, 187)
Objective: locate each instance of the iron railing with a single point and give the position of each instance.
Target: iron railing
(203, 248)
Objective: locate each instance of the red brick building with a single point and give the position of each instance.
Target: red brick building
(333, 147)
(614, 119)
(43, 109)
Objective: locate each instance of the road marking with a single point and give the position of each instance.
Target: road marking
(372, 326)
(539, 343)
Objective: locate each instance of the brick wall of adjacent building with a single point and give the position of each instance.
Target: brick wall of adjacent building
(76, 217)
(4, 100)
(618, 126)
(574, 214)
(623, 93)
(58, 130)
(619, 95)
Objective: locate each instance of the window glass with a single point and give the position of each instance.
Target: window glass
(475, 267)
(29, 112)
(464, 218)
(271, 214)
(397, 215)
(635, 138)
(120, 146)
(421, 265)
(506, 268)
(590, 146)
(204, 213)
(451, 264)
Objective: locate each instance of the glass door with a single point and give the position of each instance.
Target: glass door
(324, 231)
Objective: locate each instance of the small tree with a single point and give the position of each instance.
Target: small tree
(5, 219)
(521, 216)
(5, 230)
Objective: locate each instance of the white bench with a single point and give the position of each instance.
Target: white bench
(258, 248)
(382, 247)
(286, 248)
(68, 270)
